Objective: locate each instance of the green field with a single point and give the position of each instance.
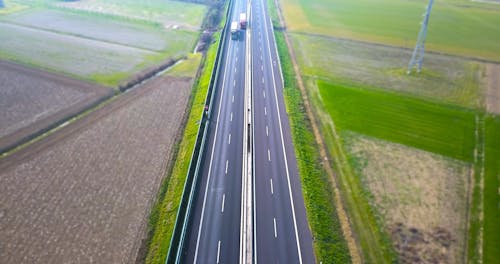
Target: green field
(353, 57)
(11, 7)
(456, 26)
(98, 47)
(433, 127)
(444, 78)
(187, 67)
(170, 14)
(124, 32)
(491, 231)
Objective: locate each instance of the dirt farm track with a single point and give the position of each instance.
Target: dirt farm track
(82, 194)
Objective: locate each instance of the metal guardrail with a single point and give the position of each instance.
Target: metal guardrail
(182, 223)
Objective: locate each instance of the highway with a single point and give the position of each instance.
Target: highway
(281, 232)
(214, 236)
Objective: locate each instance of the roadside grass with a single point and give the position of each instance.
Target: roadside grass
(329, 243)
(375, 244)
(444, 78)
(491, 233)
(11, 7)
(474, 32)
(164, 212)
(187, 67)
(434, 127)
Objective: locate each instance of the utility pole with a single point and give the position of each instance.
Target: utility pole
(418, 53)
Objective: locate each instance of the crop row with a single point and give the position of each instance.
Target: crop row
(83, 193)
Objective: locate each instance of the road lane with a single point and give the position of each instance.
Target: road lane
(281, 231)
(215, 230)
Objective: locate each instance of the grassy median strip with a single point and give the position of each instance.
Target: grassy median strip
(329, 243)
(164, 212)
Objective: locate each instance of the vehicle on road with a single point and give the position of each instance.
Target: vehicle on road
(234, 30)
(243, 21)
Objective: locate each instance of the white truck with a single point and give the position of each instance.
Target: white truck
(234, 30)
(243, 21)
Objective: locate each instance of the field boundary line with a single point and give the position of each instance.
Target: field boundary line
(354, 251)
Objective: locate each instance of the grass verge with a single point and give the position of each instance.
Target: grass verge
(329, 243)
(164, 212)
(374, 244)
(491, 234)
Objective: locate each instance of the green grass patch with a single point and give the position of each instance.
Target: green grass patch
(187, 67)
(444, 78)
(437, 128)
(491, 233)
(11, 7)
(164, 213)
(170, 14)
(474, 32)
(329, 243)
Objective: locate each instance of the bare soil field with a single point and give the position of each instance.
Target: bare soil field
(421, 197)
(492, 96)
(83, 194)
(33, 100)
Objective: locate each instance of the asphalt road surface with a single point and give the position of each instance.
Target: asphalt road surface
(281, 232)
(214, 236)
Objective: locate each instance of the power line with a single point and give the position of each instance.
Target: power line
(418, 53)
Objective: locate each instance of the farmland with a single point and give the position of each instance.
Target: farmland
(437, 128)
(397, 23)
(170, 14)
(352, 57)
(101, 47)
(444, 78)
(421, 196)
(68, 197)
(32, 100)
(125, 33)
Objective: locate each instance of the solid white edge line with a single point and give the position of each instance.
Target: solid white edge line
(283, 145)
(211, 159)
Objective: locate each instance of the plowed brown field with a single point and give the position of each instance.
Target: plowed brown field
(33, 100)
(82, 194)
